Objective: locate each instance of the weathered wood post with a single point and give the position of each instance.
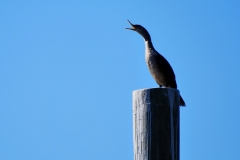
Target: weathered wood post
(156, 124)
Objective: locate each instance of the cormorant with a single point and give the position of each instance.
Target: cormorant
(158, 66)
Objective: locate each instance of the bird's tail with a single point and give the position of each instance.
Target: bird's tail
(182, 103)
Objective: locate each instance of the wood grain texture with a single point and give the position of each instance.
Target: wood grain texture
(156, 124)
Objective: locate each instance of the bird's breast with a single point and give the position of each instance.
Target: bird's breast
(151, 62)
(154, 68)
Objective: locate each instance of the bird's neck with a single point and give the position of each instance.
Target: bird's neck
(146, 36)
(149, 45)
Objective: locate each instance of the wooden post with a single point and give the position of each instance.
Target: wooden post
(156, 124)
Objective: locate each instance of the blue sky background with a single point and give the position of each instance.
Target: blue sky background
(68, 69)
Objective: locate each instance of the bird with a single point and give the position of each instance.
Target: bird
(158, 66)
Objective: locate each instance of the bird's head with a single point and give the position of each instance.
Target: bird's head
(141, 30)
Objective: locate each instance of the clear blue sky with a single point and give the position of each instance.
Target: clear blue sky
(68, 69)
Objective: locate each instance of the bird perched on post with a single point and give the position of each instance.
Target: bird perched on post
(158, 66)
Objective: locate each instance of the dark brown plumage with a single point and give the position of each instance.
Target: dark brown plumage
(158, 66)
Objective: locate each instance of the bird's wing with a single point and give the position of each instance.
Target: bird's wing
(167, 70)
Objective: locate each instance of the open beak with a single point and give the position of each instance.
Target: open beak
(133, 28)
